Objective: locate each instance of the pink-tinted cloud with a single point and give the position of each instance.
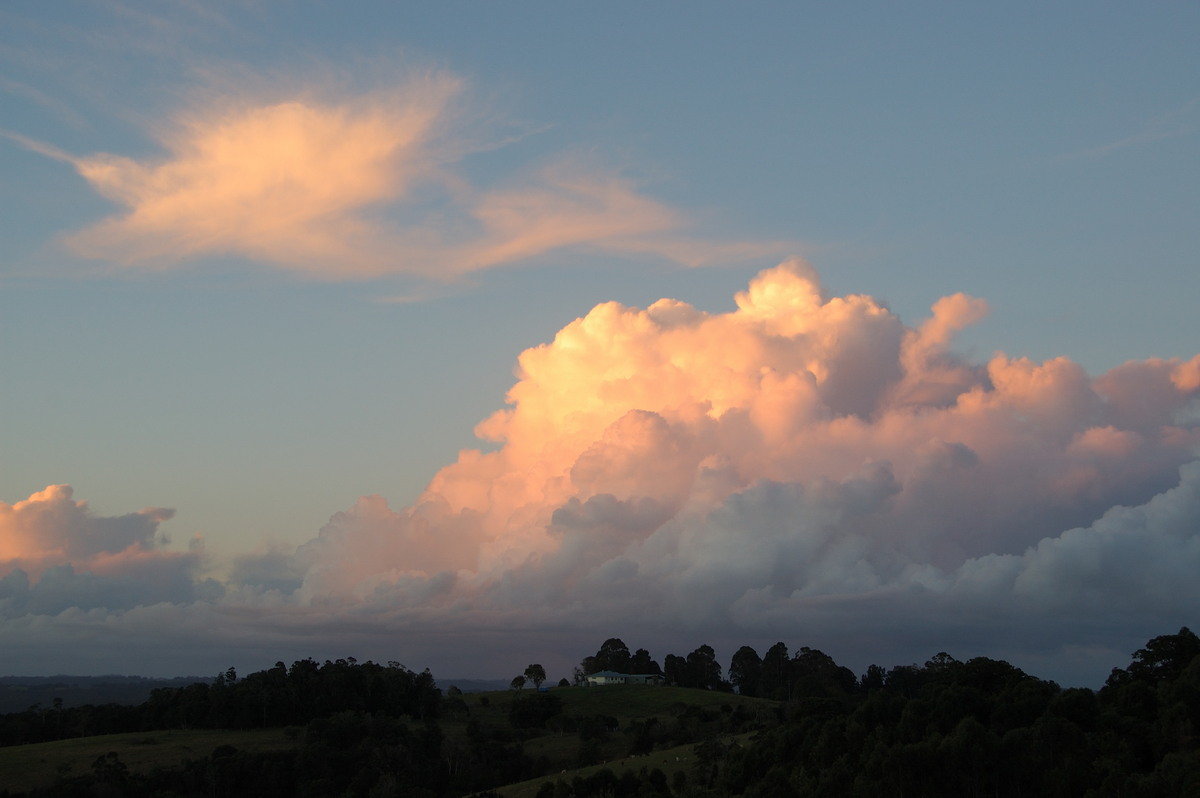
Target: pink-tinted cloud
(804, 466)
(799, 452)
(351, 186)
(570, 206)
(289, 182)
(56, 554)
(49, 528)
(688, 409)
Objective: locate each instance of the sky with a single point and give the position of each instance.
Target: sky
(473, 334)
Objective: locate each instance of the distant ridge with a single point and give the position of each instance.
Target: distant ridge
(473, 685)
(18, 693)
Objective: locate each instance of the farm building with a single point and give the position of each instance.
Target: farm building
(601, 678)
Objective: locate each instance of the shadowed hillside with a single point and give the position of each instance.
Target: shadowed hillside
(945, 728)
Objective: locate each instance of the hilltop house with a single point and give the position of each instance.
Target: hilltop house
(612, 677)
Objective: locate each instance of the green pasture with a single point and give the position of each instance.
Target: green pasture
(25, 767)
(623, 702)
(670, 761)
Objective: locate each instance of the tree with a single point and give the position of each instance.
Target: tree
(612, 656)
(642, 662)
(536, 674)
(703, 669)
(517, 682)
(776, 670)
(675, 670)
(873, 679)
(745, 671)
(532, 711)
(814, 673)
(1164, 658)
(109, 770)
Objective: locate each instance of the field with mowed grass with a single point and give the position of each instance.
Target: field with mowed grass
(26, 767)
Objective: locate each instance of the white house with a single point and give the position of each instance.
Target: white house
(612, 677)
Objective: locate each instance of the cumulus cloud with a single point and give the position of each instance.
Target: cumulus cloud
(50, 528)
(805, 467)
(56, 554)
(791, 459)
(341, 185)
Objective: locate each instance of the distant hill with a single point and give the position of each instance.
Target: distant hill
(474, 685)
(18, 693)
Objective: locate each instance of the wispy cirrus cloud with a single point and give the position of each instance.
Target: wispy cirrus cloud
(290, 183)
(339, 184)
(1181, 121)
(58, 108)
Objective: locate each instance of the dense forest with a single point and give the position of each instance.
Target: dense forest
(783, 724)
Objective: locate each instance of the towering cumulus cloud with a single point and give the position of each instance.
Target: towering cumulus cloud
(803, 467)
(804, 462)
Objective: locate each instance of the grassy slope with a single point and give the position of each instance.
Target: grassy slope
(668, 760)
(25, 767)
(626, 704)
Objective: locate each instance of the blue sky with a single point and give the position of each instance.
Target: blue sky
(1042, 157)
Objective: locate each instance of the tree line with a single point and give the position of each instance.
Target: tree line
(776, 676)
(982, 727)
(279, 696)
(943, 728)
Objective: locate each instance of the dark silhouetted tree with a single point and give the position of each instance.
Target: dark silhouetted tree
(675, 670)
(745, 671)
(775, 673)
(536, 674)
(703, 669)
(814, 673)
(641, 662)
(873, 679)
(1164, 657)
(613, 656)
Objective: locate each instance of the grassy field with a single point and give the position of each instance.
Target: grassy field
(669, 760)
(626, 704)
(623, 702)
(28, 766)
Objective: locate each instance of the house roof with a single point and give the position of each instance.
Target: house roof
(615, 675)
